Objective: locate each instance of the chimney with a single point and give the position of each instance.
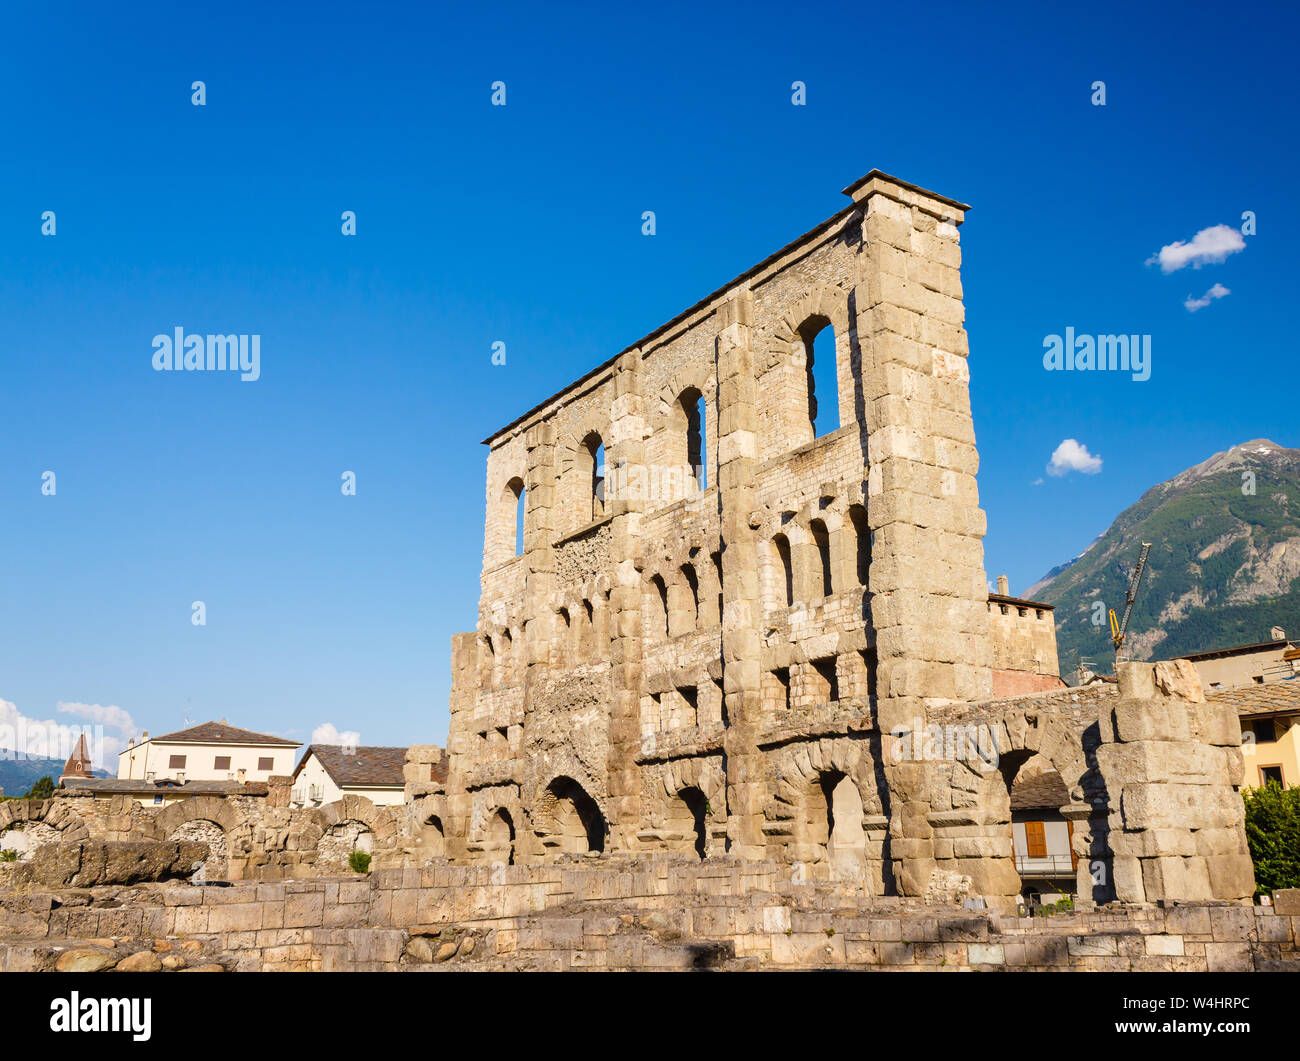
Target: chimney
(1004, 587)
(144, 737)
(1277, 634)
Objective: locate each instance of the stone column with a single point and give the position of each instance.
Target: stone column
(1172, 767)
(927, 568)
(464, 689)
(539, 588)
(741, 606)
(626, 457)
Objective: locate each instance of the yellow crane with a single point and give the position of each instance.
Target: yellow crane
(1119, 627)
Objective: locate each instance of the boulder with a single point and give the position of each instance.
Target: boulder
(420, 950)
(96, 862)
(144, 961)
(85, 960)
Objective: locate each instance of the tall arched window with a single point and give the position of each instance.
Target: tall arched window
(694, 413)
(862, 542)
(818, 339)
(661, 594)
(823, 542)
(782, 544)
(693, 584)
(592, 451)
(514, 496)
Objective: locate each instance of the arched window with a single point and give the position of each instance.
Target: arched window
(694, 412)
(818, 339)
(592, 451)
(693, 583)
(823, 542)
(516, 487)
(782, 544)
(862, 542)
(662, 596)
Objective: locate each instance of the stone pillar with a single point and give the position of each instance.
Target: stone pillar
(539, 587)
(624, 455)
(460, 736)
(1172, 767)
(927, 569)
(741, 605)
(279, 789)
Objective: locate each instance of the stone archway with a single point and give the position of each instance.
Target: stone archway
(978, 828)
(28, 824)
(499, 837)
(567, 820)
(689, 811)
(203, 831)
(825, 813)
(335, 847)
(213, 821)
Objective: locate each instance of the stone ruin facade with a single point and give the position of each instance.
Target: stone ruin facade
(718, 634)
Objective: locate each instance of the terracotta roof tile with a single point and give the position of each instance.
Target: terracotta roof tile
(1265, 699)
(220, 733)
(1045, 791)
(370, 766)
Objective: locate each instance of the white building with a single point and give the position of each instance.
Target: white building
(212, 751)
(329, 772)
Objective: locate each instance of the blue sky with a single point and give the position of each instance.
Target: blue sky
(523, 224)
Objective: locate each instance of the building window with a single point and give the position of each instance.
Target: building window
(176, 762)
(822, 540)
(1271, 775)
(782, 544)
(514, 498)
(693, 418)
(1264, 729)
(818, 339)
(592, 459)
(266, 763)
(221, 762)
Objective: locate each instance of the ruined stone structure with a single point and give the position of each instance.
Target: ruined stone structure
(720, 634)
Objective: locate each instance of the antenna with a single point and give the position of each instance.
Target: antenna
(1119, 627)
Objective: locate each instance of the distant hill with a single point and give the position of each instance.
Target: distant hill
(18, 775)
(1224, 565)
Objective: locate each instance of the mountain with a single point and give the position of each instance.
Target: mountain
(18, 775)
(1224, 565)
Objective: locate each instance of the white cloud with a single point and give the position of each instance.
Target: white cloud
(1073, 456)
(112, 716)
(327, 733)
(1208, 246)
(21, 736)
(1217, 291)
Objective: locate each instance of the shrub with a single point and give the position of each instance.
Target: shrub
(359, 861)
(1273, 832)
(8, 855)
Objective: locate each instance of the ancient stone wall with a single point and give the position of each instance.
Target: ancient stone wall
(661, 913)
(247, 836)
(726, 634)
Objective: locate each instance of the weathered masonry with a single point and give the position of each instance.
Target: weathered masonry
(714, 614)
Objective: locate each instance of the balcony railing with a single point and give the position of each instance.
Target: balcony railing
(1045, 866)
